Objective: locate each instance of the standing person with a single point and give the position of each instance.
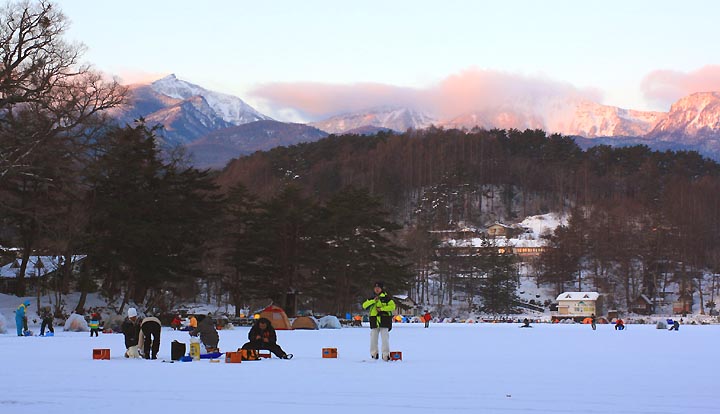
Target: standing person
(426, 318)
(47, 320)
(380, 306)
(21, 318)
(592, 321)
(149, 337)
(262, 336)
(94, 324)
(131, 329)
(208, 334)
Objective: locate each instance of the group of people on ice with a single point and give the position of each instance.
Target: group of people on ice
(142, 335)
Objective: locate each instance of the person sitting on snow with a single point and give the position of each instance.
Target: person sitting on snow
(619, 325)
(262, 336)
(176, 323)
(131, 328)
(526, 323)
(207, 333)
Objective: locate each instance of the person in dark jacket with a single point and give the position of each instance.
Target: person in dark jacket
(207, 333)
(380, 308)
(47, 320)
(131, 331)
(262, 336)
(675, 326)
(149, 338)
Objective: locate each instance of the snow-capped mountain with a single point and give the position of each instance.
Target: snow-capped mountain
(186, 120)
(230, 108)
(568, 117)
(692, 119)
(594, 120)
(397, 119)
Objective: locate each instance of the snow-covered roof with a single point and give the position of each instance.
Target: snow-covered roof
(37, 266)
(498, 242)
(578, 296)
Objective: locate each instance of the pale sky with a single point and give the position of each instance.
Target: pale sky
(640, 54)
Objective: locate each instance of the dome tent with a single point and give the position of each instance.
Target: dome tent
(305, 322)
(277, 317)
(76, 323)
(329, 322)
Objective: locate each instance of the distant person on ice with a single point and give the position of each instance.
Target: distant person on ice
(130, 330)
(380, 306)
(47, 320)
(619, 325)
(21, 318)
(426, 318)
(526, 323)
(149, 337)
(593, 322)
(262, 336)
(207, 333)
(675, 326)
(94, 324)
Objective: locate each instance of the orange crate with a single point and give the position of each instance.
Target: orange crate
(249, 354)
(395, 356)
(329, 352)
(101, 353)
(233, 357)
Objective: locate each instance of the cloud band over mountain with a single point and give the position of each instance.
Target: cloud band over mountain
(667, 86)
(471, 90)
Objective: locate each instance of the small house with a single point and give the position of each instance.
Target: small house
(502, 230)
(642, 305)
(579, 304)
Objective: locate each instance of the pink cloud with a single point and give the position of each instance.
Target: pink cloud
(319, 100)
(131, 76)
(667, 86)
(472, 90)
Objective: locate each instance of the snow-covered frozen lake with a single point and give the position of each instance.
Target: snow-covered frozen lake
(478, 368)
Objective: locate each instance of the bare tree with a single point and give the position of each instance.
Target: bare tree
(42, 73)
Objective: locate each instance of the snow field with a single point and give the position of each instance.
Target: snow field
(490, 368)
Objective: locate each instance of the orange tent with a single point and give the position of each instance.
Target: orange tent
(587, 321)
(277, 317)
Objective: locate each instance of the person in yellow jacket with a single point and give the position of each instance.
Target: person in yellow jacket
(380, 307)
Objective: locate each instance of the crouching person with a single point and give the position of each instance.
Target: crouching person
(149, 338)
(262, 336)
(207, 333)
(130, 329)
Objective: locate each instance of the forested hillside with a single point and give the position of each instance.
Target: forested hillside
(640, 218)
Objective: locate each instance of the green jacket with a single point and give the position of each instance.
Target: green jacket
(380, 310)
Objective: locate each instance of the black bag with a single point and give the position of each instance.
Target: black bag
(177, 350)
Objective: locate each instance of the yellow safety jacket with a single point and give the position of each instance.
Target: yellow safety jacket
(380, 310)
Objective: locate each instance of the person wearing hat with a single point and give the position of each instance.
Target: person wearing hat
(131, 328)
(21, 318)
(380, 307)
